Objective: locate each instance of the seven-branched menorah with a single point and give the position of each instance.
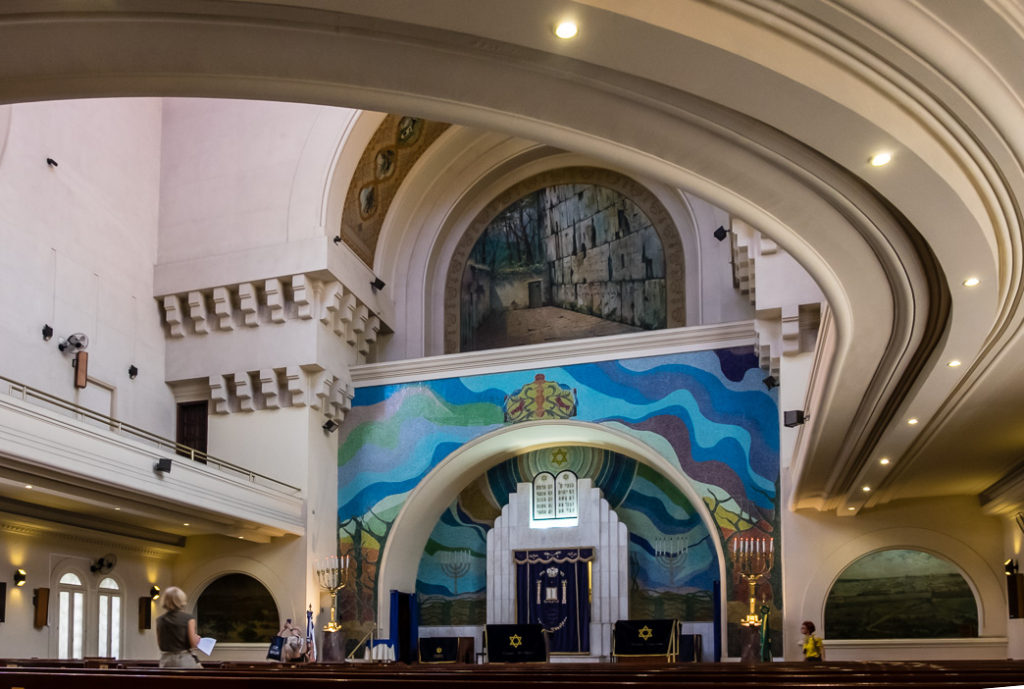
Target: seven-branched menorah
(752, 558)
(455, 563)
(671, 553)
(331, 572)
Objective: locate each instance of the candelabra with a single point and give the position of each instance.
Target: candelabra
(753, 557)
(455, 563)
(331, 572)
(671, 553)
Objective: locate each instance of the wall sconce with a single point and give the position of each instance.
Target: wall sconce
(133, 371)
(1010, 566)
(337, 240)
(154, 592)
(721, 233)
(19, 577)
(330, 425)
(377, 284)
(47, 332)
(51, 162)
(794, 418)
(162, 466)
(770, 382)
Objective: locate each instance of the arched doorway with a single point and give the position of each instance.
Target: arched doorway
(412, 527)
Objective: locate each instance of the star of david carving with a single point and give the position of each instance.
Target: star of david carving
(645, 632)
(559, 457)
(515, 641)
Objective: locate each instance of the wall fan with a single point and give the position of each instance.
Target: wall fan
(104, 564)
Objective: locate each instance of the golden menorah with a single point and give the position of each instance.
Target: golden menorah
(331, 572)
(753, 558)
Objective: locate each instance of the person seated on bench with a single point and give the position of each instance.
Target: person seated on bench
(176, 631)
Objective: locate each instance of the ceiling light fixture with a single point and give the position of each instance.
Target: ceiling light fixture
(28, 486)
(881, 158)
(883, 461)
(972, 282)
(852, 509)
(912, 421)
(566, 29)
(866, 489)
(953, 363)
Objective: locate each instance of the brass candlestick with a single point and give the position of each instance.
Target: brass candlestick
(331, 572)
(753, 557)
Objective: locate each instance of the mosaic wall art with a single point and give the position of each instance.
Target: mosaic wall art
(707, 413)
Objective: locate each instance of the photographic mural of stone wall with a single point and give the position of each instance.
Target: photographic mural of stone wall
(705, 412)
(901, 594)
(563, 262)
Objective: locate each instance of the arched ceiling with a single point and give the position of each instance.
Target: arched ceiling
(767, 109)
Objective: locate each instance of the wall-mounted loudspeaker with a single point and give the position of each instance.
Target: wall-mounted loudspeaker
(145, 613)
(1015, 594)
(41, 601)
(81, 369)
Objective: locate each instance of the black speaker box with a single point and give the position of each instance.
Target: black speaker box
(1015, 594)
(145, 613)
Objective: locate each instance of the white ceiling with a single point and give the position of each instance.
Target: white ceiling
(769, 110)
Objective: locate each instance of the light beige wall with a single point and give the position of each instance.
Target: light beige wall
(45, 554)
(817, 547)
(77, 247)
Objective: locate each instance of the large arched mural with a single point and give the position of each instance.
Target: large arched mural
(673, 563)
(564, 262)
(705, 412)
(901, 593)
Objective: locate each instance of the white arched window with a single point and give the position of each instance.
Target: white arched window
(108, 623)
(71, 616)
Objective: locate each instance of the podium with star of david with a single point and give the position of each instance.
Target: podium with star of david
(646, 639)
(516, 643)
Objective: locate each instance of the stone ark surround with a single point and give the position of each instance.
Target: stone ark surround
(598, 527)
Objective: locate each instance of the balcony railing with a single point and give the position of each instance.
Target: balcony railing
(44, 399)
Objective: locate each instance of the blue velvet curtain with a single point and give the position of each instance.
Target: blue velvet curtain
(553, 590)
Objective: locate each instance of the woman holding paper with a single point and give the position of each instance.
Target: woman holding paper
(176, 631)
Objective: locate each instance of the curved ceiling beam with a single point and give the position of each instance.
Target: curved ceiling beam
(755, 141)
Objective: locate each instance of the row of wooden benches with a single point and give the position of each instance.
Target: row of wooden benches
(911, 675)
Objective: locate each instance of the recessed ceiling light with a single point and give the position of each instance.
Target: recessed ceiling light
(912, 421)
(851, 508)
(883, 461)
(117, 509)
(881, 158)
(29, 486)
(241, 538)
(972, 282)
(953, 363)
(566, 29)
(866, 489)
